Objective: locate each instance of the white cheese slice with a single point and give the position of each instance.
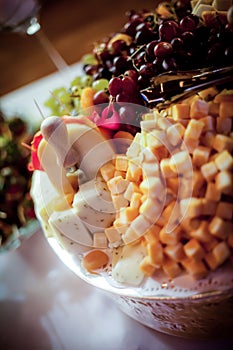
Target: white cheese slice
(94, 205)
(127, 268)
(93, 148)
(67, 223)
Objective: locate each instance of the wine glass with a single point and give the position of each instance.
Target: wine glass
(19, 16)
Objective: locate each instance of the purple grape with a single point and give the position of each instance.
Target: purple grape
(100, 97)
(140, 59)
(120, 64)
(132, 74)
(129, 85)
(168, 30)
(144, 36)
(117, 47)
(177, 43)
(150, 48)
(143, 82)
(163, 49)
(130, 27)
(147, 70)
(188, 38)
(169, 64)
(122, 97)
(91, 69)
(115, 86)
(187, 24)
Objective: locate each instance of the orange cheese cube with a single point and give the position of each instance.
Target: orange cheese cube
(147, 268)
(175, 133)
(223, 142)
(171, 237)
(175, 252)
(224, 161)
(219, 227)
(223, 125)
(224, 182)
(194, 129)
(209, 170)
(181, 162)
(199, 109)
(155, 253)
(117, 185)
(181, 111)
(194, 250)
(224, 210)
(226, 109)
(196, 268)
(201, 155)
(171, 268)
(151, 209)
(191, 207)
(136, 200)
(212, 192)
(107, 171)
(121, 163)
(209, 123)
(201, 233)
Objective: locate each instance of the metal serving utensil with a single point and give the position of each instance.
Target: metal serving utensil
(171, 87)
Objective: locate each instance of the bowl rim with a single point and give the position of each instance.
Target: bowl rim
(100, 281)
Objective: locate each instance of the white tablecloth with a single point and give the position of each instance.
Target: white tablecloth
(43, 305)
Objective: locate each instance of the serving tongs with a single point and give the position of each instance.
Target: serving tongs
(171, 87)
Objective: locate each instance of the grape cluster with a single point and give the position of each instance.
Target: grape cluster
(150, 44)
(68, 100)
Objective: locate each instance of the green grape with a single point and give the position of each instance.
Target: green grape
(89, 59)
(86, 80)
(76, 91)
(100, 84)
(77, 104)
(65, 98)
(50, 103)
(76, 82)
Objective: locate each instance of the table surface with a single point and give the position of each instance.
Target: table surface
(44, 306)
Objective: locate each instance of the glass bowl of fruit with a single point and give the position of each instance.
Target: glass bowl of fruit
(133, 183)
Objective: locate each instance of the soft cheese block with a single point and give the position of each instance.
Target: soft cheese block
(93, 205)
(67, 223)
(93, 148)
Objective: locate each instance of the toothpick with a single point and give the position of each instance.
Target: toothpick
(39, 109)
(26, 145)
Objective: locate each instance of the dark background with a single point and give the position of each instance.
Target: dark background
(72, 26)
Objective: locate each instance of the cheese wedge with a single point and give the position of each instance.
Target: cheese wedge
(93, 148)
(67, 223)
(93, 204)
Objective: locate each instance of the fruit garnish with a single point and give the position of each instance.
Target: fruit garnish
(35, 162)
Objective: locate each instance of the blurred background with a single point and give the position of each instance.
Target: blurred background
(72, 27)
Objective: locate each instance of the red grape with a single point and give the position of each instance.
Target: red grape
(168, 30)
(129, 85)
(132, 74)
(115, 86)
(187, 24)
(100, 97)
(163, 49)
